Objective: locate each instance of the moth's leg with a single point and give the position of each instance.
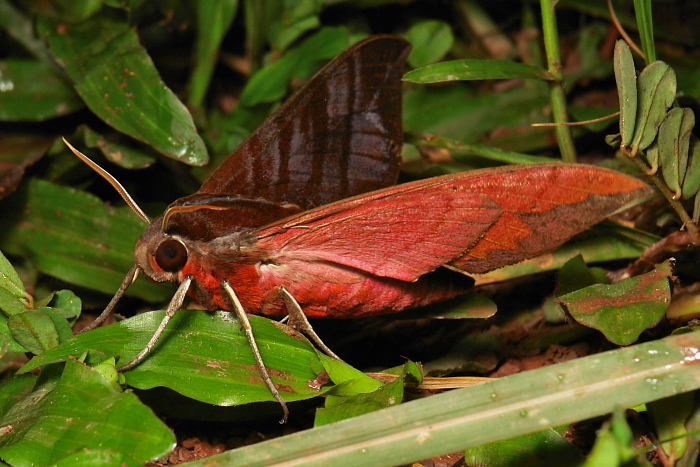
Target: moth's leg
(299, 321)
(128, 280)
(245, 324)
(174, 305)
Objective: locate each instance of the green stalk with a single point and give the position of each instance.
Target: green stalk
(556, 86)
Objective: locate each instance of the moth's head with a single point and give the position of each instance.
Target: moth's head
(159, 255)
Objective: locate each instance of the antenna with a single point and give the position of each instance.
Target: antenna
(112, 181)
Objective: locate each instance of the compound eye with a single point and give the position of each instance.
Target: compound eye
(171, 255)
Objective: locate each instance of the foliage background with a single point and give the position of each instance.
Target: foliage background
(160, 91)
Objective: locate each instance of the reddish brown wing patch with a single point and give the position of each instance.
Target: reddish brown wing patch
(543, 206)
(476, 221)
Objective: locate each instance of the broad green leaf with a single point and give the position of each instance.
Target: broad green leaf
(72, 235)
(349, 380)
(691, 182)
(430, 40)
(270, 83)
(209, 349)
(31, 91)
(506, 407)
(626, 78)
(117, 80)
(623, 310)
(341, 408)
(39, 329)
(547, 447)
(214, 18)
(14, 389)
(471, 69)
(13, 298)
(673, 143)
(123, 156)
(95, 457)
(292, 20)
(81, 411)
(656, 89)
(456, 113)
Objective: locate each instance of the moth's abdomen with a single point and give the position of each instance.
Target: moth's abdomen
(353, 294)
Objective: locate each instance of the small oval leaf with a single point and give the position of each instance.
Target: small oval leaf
(626, 78)
(656, 89)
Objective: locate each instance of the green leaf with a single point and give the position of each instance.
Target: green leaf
(493, 411)
(652, 156)
(14, 389)
(117, 80)
(623, 310)
(13, 298)
(39, 329)
(656, 89)
(67, 303)
(210, 349)
(83, 410)
(691, 182)
(94, 457)
(430, 39)
(72, 235)
(669, 416)
(341, 408)
(214, 18)
(574, 275)
(349, 381)
(470, 69)
(293, 19)
(674, 144)
(645, 23)
(626, 78)
(454, 112)
(270, 83)
(123, 156)
(31, 91)
(77, 11)
(547, 447)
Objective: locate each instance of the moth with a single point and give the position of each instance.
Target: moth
(305, 217)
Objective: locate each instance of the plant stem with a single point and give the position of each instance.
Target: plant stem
(556, 87)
